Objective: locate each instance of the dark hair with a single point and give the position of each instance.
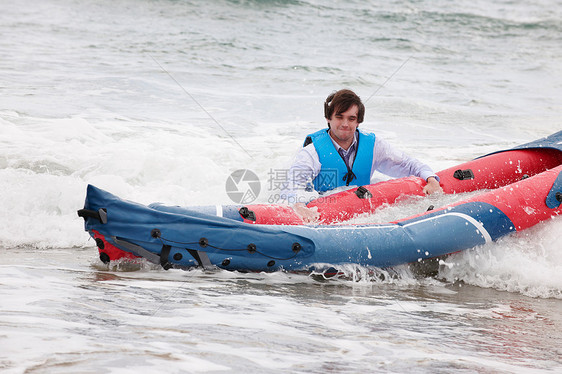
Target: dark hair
(342, 100)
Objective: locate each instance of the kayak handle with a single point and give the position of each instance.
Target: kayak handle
(100, 215)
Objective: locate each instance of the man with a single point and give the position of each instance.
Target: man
(343, 156)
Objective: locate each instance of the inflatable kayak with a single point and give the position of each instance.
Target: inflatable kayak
(524, 188)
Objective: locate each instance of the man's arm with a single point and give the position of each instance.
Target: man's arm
(395, 163)
(300, 176)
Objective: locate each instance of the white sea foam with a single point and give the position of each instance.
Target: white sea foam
(527, 262)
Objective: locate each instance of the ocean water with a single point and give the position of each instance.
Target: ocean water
(160, 101)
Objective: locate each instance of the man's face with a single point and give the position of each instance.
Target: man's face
(343, 126)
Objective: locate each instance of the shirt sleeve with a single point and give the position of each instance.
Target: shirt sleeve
(301, 174)
(396, 163)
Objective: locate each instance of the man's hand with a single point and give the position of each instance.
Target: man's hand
(432, 186)
(308, 215)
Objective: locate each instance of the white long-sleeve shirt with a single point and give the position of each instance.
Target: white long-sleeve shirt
(386, 160)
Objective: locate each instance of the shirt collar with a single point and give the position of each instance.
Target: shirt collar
(351, 147)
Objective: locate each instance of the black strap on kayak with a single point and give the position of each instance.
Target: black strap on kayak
(164, 253)
(136, 250)
(100, 214)
(201, 258)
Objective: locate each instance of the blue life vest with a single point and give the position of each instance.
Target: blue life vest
(334, 172)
